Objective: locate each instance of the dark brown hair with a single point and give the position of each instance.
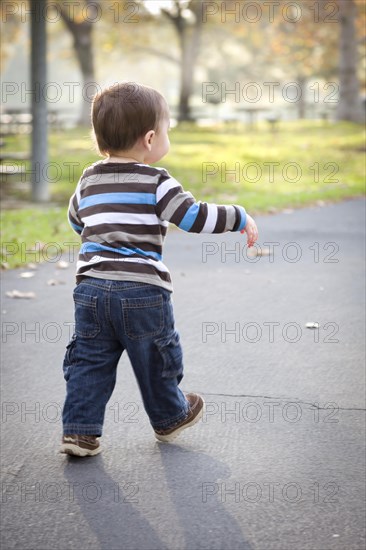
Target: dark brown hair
(123, 113)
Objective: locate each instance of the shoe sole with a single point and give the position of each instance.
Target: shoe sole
(75, 450)
(170, 437)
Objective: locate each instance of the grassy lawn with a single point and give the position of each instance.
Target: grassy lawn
(300, 163)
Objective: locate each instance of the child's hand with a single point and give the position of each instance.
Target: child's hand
(251, 231)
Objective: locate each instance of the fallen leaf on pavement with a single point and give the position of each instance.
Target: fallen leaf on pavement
(31, 265)
(54, 282)
(62, 264)
(26, 275)
(19, 294)
(254, 251)
(312, 325)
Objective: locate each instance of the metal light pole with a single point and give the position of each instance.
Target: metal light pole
(40, 192)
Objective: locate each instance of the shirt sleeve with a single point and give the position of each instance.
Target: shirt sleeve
(179, 207)
(73, 216)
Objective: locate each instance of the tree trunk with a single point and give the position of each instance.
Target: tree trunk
(89, 90)
(189, 35)
(83, 45)
(349, 107)
(84, 51)
(186, 79)
(40, 191)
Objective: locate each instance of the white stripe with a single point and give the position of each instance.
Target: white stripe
(118, 177)
(211, 219)
(98, 259)
(163, 188)
(77, 193)
(121, 218)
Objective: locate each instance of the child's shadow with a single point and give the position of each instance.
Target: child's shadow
(191, 510)
(196, 483)
(110, 510)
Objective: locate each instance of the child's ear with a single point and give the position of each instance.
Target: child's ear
(148, 139)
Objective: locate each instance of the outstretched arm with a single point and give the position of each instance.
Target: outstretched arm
(177, 206)
(180, 207)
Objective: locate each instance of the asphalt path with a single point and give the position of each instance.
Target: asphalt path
(278, 461)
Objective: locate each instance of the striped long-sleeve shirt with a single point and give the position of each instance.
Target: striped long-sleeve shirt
(122, 212)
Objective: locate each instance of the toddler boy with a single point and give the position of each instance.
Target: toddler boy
(122, 207)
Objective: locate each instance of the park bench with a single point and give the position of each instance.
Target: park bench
(13, 122)
(19, 121)
(10, 171)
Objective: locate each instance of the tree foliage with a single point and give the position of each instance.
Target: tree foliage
(280, 46)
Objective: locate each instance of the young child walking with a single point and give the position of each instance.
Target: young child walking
(121, 208)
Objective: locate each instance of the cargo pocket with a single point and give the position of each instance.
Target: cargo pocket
(143, 317)
(86, 318)
(172, 355)
(69, 359)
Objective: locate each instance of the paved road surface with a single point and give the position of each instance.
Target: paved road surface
(277, 463)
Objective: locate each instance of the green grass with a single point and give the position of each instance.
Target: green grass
(225, 164)
(33, 235)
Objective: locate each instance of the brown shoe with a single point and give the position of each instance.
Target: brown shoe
(195, 411)
(80, 445)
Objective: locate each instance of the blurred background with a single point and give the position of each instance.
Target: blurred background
(267, 99)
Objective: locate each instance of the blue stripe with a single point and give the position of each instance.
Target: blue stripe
(189, 217)
(75, 227)
(243, 218)
(118, 198)
(96, 247)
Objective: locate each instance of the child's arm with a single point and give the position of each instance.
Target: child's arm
(177, 206)
(73, 217)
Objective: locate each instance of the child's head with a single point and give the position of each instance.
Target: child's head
(125, 113)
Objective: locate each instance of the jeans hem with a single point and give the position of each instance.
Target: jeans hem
(83, 429)
(166, 424)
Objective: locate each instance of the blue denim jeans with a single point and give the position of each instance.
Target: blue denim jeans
(110, 317)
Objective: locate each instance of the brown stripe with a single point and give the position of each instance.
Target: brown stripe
(75, 203)
(133, 187)
(161, 205)
(127, 268)
(121, 168)
(237, 218)
(201, 219)
(138, 229)
(180, 212)
(221, 220)
(73, 220)
(164, 175)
